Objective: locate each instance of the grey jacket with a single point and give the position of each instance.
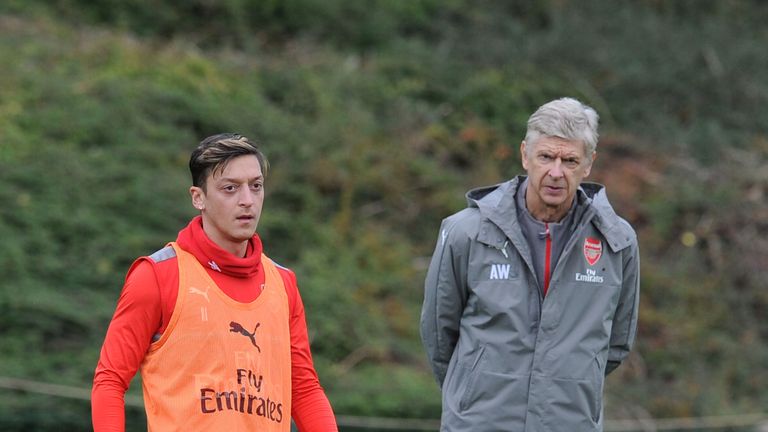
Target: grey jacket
(505, 358)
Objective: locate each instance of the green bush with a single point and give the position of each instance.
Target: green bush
(377, 117)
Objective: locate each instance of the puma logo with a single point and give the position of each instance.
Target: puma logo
(238, 328)
(193, 290)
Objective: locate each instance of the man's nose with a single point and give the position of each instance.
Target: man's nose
(557, 169)
(245, 198)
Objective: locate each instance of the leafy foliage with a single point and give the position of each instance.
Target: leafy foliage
(376, 117)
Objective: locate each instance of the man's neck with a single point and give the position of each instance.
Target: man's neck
(237, 249)
(545, 213)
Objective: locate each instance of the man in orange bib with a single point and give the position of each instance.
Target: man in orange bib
(216, 328)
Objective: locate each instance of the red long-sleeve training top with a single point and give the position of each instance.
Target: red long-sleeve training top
(145, 307)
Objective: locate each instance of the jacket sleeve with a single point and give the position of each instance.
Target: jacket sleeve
(625, 318)
(445, 294)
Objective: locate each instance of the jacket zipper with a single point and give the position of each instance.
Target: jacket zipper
(547, 257)
(574, 235)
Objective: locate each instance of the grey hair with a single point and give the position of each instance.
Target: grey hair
(565, 118)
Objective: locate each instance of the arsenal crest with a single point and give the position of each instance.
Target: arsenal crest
(593, 250)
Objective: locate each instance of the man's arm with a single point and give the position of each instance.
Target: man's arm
(625, 318)
(445, 294)
(310, 407)
(130, 332)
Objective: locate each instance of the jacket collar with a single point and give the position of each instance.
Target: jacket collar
(497, 204)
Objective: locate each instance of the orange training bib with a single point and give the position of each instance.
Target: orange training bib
(221, 364)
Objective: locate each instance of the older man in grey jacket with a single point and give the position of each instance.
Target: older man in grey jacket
(531, 297)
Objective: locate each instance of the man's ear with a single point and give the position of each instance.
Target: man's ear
(198, 197)
(523, 155)
(589, 168)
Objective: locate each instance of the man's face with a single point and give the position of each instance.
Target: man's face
(555, 168)
(231, 203)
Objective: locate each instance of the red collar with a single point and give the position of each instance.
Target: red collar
(194, 240)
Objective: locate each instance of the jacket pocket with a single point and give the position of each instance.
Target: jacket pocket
(576, 403)
(597, 384)
(469, 388)
(492, 401)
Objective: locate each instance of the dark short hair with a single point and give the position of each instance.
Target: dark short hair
(214, 152)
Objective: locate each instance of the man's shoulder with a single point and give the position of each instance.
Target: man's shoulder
(464, 216)
(281, 268)
(164, 254)
(463, 224)
(625, 229)
(161, 262)
(617, 230)
(288, 275)
(482, 203)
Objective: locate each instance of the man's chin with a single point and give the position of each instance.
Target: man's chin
(554, 200)
(244, 235)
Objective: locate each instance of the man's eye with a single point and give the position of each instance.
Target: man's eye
(257, 186)
(545, 158)
(230, 188)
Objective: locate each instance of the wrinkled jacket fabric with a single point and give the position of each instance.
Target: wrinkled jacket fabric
(507, 359)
